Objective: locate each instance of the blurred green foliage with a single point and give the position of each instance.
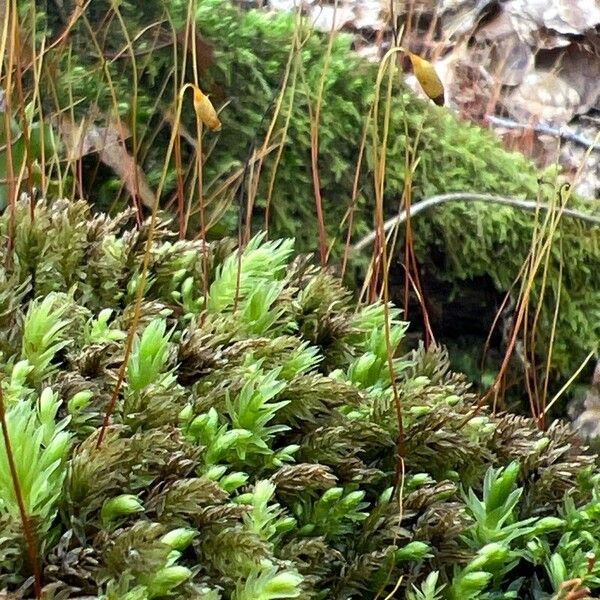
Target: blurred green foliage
(456, 244)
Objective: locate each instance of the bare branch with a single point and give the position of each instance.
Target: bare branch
(528, 205)
(563, 133)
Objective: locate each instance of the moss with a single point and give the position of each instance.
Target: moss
(250, 462)
(456, 245)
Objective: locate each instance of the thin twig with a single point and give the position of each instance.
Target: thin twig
(562, 133)
(415, 209)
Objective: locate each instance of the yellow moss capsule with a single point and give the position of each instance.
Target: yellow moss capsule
(428, 78)
(205, 110)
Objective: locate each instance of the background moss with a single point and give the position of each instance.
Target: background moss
(458, 246)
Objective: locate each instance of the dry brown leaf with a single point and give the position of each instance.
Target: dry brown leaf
(570, 86)
(109, 143)
(548, 23)
(205, 53)
(460, 17)
(163, 38)
(498, 49)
